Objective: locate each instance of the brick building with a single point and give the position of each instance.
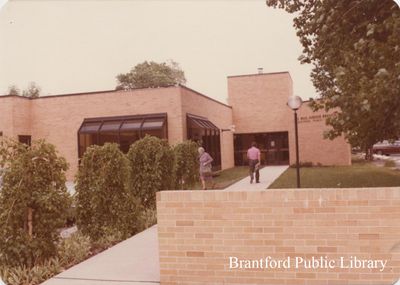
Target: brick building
(257, 108)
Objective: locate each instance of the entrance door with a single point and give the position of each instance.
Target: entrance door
(277, 148)
(274, 147)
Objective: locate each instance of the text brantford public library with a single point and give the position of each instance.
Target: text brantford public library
(352, 262)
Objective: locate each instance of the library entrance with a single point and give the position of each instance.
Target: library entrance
(274, 147)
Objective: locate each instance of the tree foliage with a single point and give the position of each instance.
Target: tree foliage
(33, 91)
(186, 164)
(354, 46)
(33, 202)
(151, 75)
(104, 201)
(13, 90)
(152, 169)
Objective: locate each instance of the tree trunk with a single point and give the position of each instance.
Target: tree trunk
(369, 154)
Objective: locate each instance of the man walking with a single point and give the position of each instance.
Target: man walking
(254, 157)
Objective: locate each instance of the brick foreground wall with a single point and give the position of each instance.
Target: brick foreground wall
(200, 230)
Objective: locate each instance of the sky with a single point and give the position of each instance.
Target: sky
(81, 45)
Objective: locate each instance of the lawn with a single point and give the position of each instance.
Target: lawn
(225, 178)
(356, 175)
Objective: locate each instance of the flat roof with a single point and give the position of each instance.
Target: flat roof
(259, 74)
(114, 91)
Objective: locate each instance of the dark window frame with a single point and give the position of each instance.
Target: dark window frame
(26, 139)
(212, 137)
(123, 119)
(282, 147)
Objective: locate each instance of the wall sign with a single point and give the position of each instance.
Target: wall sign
(313, 118)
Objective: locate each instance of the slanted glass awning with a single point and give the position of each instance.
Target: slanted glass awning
(124, 130)
(201, 122)
(123, 123)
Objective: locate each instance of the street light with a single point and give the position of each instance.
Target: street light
(294, 103)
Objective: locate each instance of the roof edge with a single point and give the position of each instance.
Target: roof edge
(205, 96)
(259, 74)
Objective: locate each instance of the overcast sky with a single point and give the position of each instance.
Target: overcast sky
(81, 45)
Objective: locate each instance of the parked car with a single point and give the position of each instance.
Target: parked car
(387, 148)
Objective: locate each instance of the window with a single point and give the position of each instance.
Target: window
(123, 130)
(206, 134)
(25, 139)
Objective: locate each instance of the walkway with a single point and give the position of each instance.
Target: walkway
(131, 262)
(135, 260)
(267, 175)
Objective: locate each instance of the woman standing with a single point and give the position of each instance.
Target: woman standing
(205, 167)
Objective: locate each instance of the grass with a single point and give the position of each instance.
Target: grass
(390, 163)
(360, 174)
(225, 178)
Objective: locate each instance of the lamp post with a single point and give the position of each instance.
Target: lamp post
(294, 103)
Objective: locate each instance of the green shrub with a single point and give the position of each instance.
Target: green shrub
(147, 218)
(73, 249)
(108, 239)
(304, 164)
(104, 201)
(33, 202)
(390, 163)
(152, 169)
(186, 164)
(70, 251)
(23, 275)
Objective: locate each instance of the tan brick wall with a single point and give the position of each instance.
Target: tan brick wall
(219, 114)
(57, 119)
(199, 230)
(312, 146)
(259, 104)
(15, 116)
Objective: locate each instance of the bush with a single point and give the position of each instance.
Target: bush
(70, 251)
(33, 202)
(304, 164)
(152, 169)
(73, 249)
(186, 165)
(147, 218)
(23, 275)
(104, 201)
(390, 163)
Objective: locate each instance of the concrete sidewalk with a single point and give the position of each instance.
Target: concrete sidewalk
(136, 261)
(268, 175)
(133, 261)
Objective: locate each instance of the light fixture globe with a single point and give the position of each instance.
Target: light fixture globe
(294, 102)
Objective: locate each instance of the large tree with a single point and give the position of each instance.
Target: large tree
(33, 91)
(13, 90)
(354, 46)
(150, 75)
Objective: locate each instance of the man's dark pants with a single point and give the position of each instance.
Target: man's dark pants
(252, 165)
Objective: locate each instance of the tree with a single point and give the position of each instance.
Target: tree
(355, 49)
(33, 202)
(151, 75)
(186, 164)
(105, 204)
(152, 169)
(13, 90)
(33, 91)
